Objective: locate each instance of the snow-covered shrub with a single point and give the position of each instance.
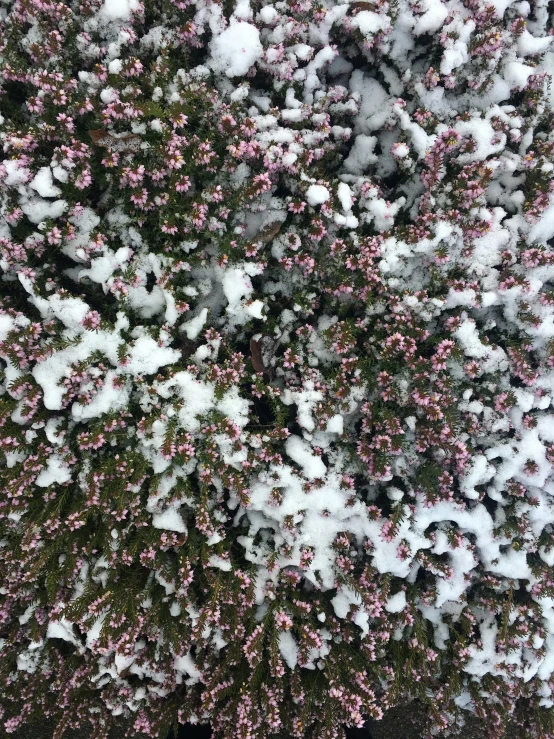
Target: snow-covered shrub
(277, 334)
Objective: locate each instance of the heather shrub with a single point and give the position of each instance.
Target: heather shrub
(277, 341)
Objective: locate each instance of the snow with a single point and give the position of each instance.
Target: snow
(118, 9)
(421, 141)
(469, 340)
(108, 95)
(185, 665)
(528, 44)
(288, 648)
(220, 563)
(56, 471)
(335, 425)
(479, 522)
(103, 267)
(305, 399)
(236, 49)
(344, 194)
(193, 327)
(456, 52)
(343, 600)
(146, 357)
(16, 174)
(28, 613)
(238, 289)
(234, 407)
(70, 311)
(62, 629)
(268, 14)
(198, 397)
(38, 210)
(361, 154)
(28, 661)
(7, 324)
(299, 451)
(93, 632)
(396, 602)
(43, 183)
(374, 102)
(516, 74)
(543, 230)
(60, 174)
(432, 19)
(55, 367)
(381, 212)
(481, 472)
(115, 66)
(122, 661)
(169, 520)
(49, 373)
(369, 22)
(309, 74)
(501, 5)
(112, 396)
(255, 309)
(317, 194)
(401, 150)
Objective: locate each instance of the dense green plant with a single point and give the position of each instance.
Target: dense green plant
(277, 348)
